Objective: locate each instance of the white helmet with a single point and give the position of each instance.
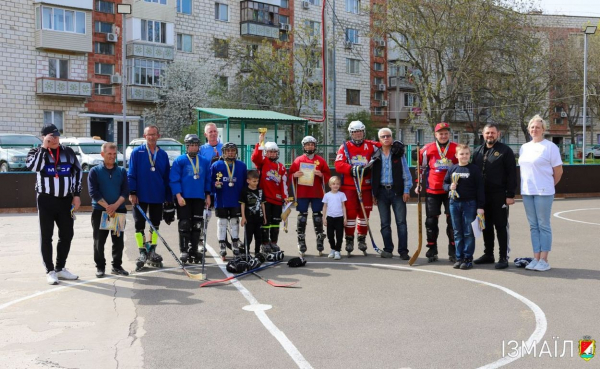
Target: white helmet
(309, 139)
(271, 146)
(355, 126)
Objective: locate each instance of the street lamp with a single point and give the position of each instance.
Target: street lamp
(124, 9)
(589, 30)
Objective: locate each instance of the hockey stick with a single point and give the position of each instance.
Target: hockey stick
(206, 212)
(357, 185)
(419, 211)
(273, 283)
(240, 275)
(190, 275)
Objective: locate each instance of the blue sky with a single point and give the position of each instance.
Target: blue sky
(570, 7)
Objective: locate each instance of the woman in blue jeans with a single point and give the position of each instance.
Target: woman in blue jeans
(541, 169)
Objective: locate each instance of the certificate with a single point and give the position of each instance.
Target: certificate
(308, 177)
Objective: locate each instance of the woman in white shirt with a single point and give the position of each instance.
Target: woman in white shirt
(541, 169)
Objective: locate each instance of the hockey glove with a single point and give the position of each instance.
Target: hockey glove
(168, 212)
(356, 171)
(236, 266)
(522, 262)
(254, 263)
(275, 256)
(296, 262)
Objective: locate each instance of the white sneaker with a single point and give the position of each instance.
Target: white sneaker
(532, 264)
(52, 278)
(65, 274)
(542, 266)
(331, 254)
(337, 256)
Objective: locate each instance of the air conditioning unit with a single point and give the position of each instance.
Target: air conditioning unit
(112, 37)
(563, 114)
(305, 5)
(380, 43)
(285, 27)
(384, 103)
(116, 79)
(381, 87)
(347, 44)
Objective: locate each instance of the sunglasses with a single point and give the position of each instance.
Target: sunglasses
(385, 136)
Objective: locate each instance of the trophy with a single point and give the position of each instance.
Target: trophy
(262, 130)
(219, 184)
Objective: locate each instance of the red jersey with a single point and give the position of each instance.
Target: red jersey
(316, 190)
(359, 155)
(437, 162)
(273, 177)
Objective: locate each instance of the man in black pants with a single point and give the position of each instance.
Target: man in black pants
(497, 162)
(107, 184)
(58, 187)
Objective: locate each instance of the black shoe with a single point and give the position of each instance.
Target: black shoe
(501, 264)
(485, 259)
(99, 272)
(457, 264)
(404, 256)
(452, 259)
(120, 271)
(386, 254)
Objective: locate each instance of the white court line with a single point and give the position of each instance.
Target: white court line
(573, 220)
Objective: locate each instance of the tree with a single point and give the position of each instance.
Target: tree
(185, 86)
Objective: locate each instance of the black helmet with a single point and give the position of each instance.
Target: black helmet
(191, 139)
(229, 146)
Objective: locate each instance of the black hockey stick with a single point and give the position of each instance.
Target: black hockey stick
(241, 274)
(192, 276)
(357, 185)
(419, 210)
(204, 242)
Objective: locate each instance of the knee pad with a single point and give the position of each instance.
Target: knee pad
(184, 225)
(222, 224)
(301, 223)
(197, 223)
(431, 222)
(318, 221)
(234, 227)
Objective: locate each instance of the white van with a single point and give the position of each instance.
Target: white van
(88, 150)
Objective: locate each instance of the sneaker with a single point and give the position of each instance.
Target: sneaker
(404, 256)
(501, 264)
(65, 274)
(532, 264)
(457, 264)
(52, 278)
(466, 264)
(485, 259)
(386, 254)
(542, 266)
(452, 258)
(337, 256)
(99, 272)
(331, 254)
(120, 271)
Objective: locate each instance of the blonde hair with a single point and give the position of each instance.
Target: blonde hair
(462, 147)
(334, 179)
(538, 118)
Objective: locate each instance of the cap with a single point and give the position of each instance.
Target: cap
(440, 126)
(50, 130)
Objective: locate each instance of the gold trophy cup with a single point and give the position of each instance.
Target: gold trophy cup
(262, 130)
(219, 184)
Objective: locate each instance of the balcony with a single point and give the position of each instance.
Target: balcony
(259, 19)
(252, 29)
(63, 87)
(150, 50)
(403, 81)
(141, 93)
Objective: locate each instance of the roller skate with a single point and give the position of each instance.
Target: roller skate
(223, 252)
(349, 244)
(432, 253)
(154, 259)
(235, 248)
(362, 244)
(320, 241)
(301, 244)
(275, 247)
(195, 256)
(141, 261)
(184, 256)
(452, 252)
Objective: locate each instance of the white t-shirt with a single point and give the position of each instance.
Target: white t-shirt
(537, 160)
(334, 203)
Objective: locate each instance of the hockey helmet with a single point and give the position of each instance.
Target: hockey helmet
(306, 140)
(227, 149)
(296, 262)
(191, 139)
(272, 147)
(356, 126)
(275, 256)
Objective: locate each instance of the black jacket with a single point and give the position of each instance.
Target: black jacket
(499, 170)
(397, 152)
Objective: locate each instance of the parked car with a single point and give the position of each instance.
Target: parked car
(13, 150)
(173, 147)
(88, 150)
(592, 151)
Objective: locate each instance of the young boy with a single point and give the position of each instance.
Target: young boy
(334, 210)
(253, 211)
(467, 199)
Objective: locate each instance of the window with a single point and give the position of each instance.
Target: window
(58, 68)
(352, 35)
(378, 66)
(285, 4)
(146, 72)
(54, 117)
(163, 2)
(221, 48)
(105, 6)
(154, 31)
(315, 2)
(314, 28)
(410, 99)
(353, 6)
(379, 52)
(103, 68)
(420, 135)
(222, 12)
(103, 27)
(558, 109)
(379, 95)
(103, 89)
(352, 66)
(104, 48)
(397, 70)
(558, 120)
(284, 19)
(284, 37)
(63, 20)
(377, 81)
(184, 42)
(223, 82)
(378, 111)
(184, 6)
(352, 97)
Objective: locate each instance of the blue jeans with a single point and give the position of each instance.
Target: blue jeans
(463, 213)
(385, 200)
(538, 210)
(316, 204)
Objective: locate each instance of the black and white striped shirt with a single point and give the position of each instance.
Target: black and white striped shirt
(60, 178)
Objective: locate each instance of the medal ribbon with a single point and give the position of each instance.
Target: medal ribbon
(152, 159)
(442, 154)
(230, 172)
(195, 168)
(55, 160)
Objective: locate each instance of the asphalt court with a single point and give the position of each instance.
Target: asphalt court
(359, 312)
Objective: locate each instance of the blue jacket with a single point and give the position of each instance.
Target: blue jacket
(209, 153)
(182, 178)
(150, 187)
(228, 197)
(107, 184)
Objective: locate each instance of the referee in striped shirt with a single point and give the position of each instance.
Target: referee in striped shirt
(58, 187)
